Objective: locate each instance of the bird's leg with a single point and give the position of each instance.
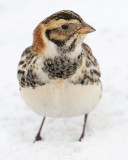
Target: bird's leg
(38, 137)
(83, 132)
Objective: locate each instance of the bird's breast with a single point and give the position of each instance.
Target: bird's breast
(62, 99)
(61, 66)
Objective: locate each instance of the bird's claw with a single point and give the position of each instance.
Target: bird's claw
(38, 138)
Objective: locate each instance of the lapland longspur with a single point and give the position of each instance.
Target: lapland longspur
(58, 74)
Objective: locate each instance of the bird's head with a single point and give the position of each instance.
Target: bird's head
(62, 31)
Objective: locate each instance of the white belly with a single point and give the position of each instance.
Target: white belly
(62, 99)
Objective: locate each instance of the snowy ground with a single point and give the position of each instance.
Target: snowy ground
(107, 128)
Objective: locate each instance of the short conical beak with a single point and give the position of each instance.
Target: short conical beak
(85, 28)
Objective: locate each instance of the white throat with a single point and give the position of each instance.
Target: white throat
(52, 49)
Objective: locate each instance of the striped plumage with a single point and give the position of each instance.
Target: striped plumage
(58, 74)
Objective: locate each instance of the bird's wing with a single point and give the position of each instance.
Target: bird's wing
(28, 70)
(89, 72)
(92, 64)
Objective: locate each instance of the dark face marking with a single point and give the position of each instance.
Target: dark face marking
(68, 49)
(57, 42)
(61, 36)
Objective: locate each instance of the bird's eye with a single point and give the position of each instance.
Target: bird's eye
(64, 26)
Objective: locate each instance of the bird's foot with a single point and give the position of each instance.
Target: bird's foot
(38, 138)
(81, 137)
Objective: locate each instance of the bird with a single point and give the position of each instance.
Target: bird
(58, 74)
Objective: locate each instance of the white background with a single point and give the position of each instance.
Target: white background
(107, 129)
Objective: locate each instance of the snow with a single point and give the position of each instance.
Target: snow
(107, 128)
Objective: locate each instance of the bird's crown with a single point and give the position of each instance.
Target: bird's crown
(64, 14)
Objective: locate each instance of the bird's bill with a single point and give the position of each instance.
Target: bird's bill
(85, 28)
